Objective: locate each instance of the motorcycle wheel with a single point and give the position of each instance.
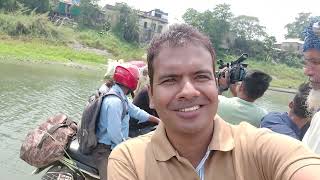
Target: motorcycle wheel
(61, 172)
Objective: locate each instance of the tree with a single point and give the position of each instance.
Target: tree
(8, 5)
(39, 6)
(192, 17)
(248, 28)
(216, 23)
(222, 18)
(91, 14)
(295, 29)
(127, 26)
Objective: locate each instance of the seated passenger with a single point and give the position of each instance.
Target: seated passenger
(295, 122)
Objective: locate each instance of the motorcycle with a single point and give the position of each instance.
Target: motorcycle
(77, 166)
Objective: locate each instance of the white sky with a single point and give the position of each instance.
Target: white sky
(273, 14)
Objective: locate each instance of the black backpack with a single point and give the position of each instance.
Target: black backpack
(87, 132)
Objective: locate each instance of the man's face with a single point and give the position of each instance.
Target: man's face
(184, 91)
(312, 67)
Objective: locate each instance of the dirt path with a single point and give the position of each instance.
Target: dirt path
(80, 47)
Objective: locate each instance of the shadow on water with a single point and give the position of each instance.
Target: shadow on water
(30, 93)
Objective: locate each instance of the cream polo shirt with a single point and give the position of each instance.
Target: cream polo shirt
(238, 152)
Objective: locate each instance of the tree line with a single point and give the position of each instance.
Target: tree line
(230, 34)
(244, 34)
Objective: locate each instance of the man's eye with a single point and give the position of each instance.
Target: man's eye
(203, 77)
(311, 62)
(315, 62)
(168, 81)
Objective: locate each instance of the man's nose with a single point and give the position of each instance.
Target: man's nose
(188, 91)
(308, 70)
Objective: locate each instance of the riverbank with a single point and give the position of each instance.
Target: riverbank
(86, 57)
(34, 39)
(75, 65)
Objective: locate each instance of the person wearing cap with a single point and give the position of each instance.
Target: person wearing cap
(113, 125)
(311, 53)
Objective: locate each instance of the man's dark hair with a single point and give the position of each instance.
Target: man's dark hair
(255, 83)
(178, 35)
(299, 101)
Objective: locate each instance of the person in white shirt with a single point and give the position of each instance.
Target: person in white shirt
(311, 52)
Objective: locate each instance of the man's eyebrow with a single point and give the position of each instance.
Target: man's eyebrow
(204, 72)
(164, 76)
(312, 59)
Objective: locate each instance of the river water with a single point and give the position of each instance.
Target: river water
(31, 92)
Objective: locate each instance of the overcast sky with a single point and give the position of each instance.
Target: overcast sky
(273, 14)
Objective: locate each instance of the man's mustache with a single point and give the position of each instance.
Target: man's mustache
(184, 103)
(313, 100)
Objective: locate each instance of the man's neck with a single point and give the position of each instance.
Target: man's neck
(300, 122)
(124, 89)
(244, 97)
(191, 146)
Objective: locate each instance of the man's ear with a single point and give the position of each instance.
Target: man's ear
(151, 104)
(291, 104)
(240, 87)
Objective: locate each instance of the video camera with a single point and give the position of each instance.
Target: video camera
(236, 69)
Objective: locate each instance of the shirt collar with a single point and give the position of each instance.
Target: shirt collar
(222, 140)
(117, 89)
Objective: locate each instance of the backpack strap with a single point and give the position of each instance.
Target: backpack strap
(66, 122)
(111, 92)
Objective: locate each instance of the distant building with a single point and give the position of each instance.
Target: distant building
(151, 23)
(292, 45)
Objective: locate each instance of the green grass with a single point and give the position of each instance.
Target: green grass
(282, 75)
(35, 50)
(37, 26)
(108, 41)
(33, 26)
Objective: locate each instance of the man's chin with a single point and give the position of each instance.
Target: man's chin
(313, 100)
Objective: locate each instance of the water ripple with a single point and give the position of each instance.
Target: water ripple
(30, 94)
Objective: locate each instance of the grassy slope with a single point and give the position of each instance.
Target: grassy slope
(35, 38)
(118, 48)
(36, 50)
(282, 75)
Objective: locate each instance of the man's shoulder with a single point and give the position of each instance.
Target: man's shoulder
(112, 99)
(245, 133)
(317, 115)
(274, 117)
(225, 103)
(246, 128)
(224, 98)
(252, 140)
(132, 148)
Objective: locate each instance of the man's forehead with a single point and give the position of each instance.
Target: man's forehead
(312, 55)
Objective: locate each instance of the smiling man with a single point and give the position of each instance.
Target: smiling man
(311, 52)
(192, 142)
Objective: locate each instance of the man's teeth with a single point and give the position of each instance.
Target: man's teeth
(190, 109)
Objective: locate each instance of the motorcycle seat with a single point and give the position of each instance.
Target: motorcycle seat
(75, 153)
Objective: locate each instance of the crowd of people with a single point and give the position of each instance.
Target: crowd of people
(203, 134)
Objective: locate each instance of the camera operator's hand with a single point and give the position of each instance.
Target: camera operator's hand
(223, 80)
